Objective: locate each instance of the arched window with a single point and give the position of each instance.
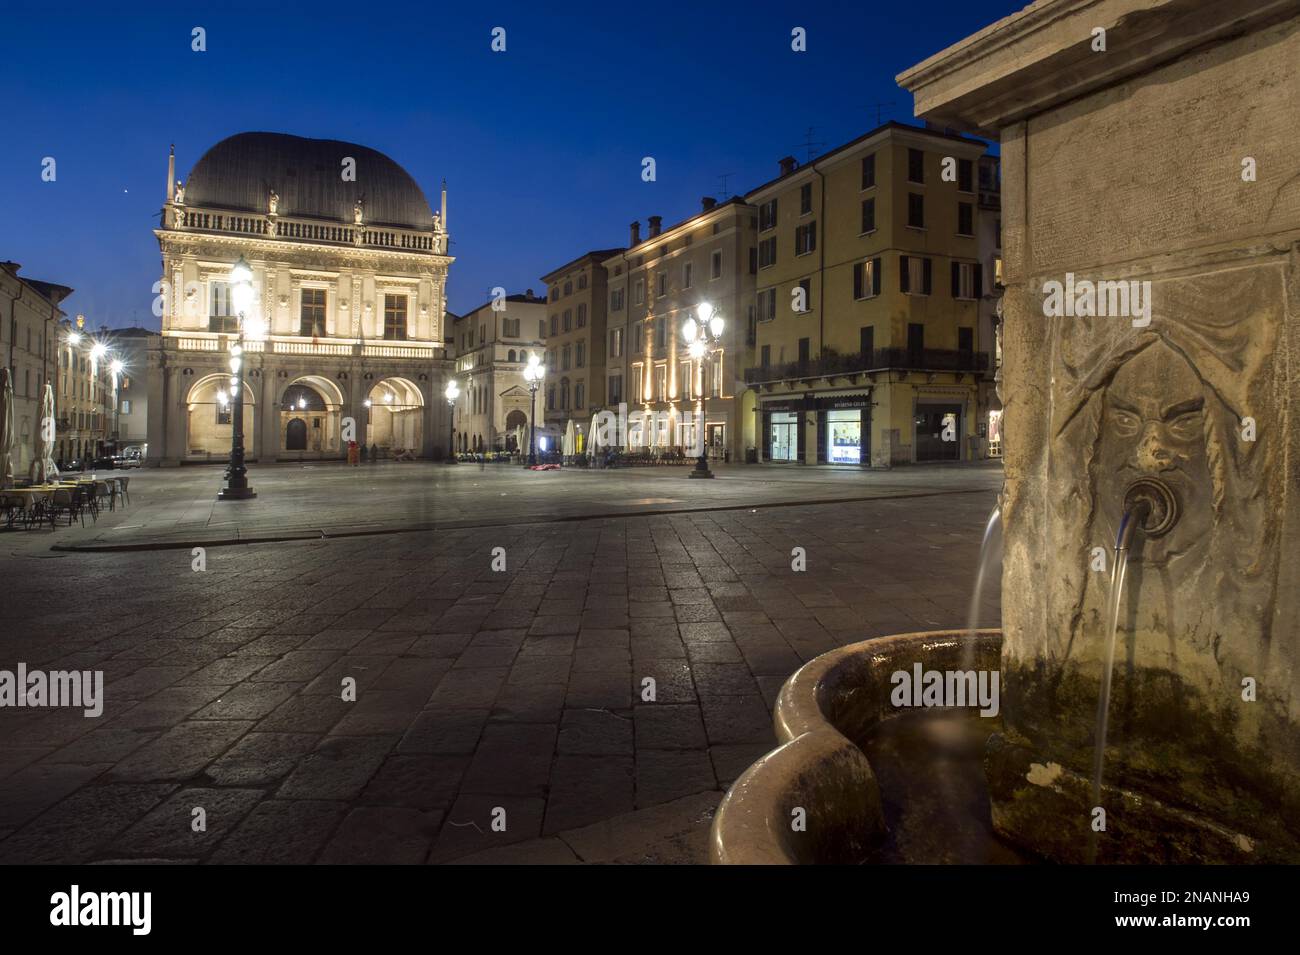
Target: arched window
(510, 356)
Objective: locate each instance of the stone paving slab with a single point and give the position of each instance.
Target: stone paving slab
(477, 695)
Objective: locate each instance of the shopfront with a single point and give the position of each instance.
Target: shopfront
(939, 430)
(783, 437)
(844, 430)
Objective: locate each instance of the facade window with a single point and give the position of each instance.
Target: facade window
(661, 382)
(767, 253)
(767, 215)
(568, 288)
(686, 275)
(868, 171)
(916, 210)
(965, 218)
(582, 315)
(965, 175)
(565, 355)
(686, 377)
(568, 319)
(766, 302)
(221, 317)
(638, 292)
(765, 356)
(550, 398)
(541, 328)
(510, 327)
(223, 413)
(126, 406)
(868, 215)
(716, 377)
(312, 313)
(805, 238)
(580, 355)
(967, 280)
(638, 339)
(616, 300)
(555, 293)
(579, 396)
(866, 279)
(395, 317)
(805, 199)
(564, 394)
(715, 263)
(582, 281)
(914, 275)
(615, 389)
(616, 343)
(555, 324)
(661, 334)
(661, 284)
(915, 166)
(638, 393)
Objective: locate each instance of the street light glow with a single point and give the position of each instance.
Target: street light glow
(241, 286)
(453, 391)
(74, 338)
(98, 350)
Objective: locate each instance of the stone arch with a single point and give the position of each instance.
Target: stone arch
(208, 425)
(318, 402)
(396, 418)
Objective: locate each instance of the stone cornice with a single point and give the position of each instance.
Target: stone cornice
(1042, 56)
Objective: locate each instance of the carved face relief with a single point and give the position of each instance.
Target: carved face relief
(1154, 425)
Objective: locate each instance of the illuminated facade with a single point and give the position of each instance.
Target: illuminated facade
(654, 286)
(346, 333)
(29, 324)
(492, 345)
(873, 331)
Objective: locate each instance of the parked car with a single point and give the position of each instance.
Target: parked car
(104, 463)
(132, 457)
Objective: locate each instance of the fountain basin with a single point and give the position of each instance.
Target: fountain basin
(825, 715)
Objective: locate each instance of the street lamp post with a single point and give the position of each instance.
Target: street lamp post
(534, 372)
(702, 338)
(241, 289)
(453, 392)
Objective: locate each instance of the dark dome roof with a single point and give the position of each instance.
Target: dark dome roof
(239, 172)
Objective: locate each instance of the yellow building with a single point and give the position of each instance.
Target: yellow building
(575, 338)
(654, 286)
(869, 279)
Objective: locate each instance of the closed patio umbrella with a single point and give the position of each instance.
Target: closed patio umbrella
(8, 438)
(43, 468)
(570, 440)
(593, 435)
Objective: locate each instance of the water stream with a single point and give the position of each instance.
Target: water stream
(989, 555)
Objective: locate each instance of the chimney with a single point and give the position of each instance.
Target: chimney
(707, 203)
(655, 225)
(529, 293)
(788, 165)
(635, 238)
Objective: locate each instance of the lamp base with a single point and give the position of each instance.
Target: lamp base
(236, 494)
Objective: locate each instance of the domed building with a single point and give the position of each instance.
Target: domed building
(345, 337)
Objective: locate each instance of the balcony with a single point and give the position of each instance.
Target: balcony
(831, 364)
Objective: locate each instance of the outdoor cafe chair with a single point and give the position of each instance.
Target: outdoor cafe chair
(66, 501)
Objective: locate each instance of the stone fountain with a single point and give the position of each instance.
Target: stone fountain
(1149, 145)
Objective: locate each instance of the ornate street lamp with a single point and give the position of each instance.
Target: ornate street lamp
(453, 392)
(241, 293)
(702, 338)
(534, 372)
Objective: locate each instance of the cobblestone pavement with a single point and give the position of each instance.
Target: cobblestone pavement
(481, 695)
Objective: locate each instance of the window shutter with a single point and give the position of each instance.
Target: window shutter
(956, 280)
(926, 276)
(902, 274)
(979, 280)
(875, 276)
(857, 280)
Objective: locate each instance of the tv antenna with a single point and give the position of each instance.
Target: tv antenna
(878, 107)
(722, 187)
(809, 143)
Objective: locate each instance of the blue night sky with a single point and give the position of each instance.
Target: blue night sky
(541, 146)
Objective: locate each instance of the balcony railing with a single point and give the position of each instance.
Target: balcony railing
(305, 230)
(834, 364)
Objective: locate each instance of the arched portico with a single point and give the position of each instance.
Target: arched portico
(396, 419)
(311, 407)
(208, 422)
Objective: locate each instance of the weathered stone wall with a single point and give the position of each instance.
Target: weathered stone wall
(1143, 181)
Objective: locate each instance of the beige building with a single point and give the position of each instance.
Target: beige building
(86, 393)
(870, 278)
(577, 303)
(29, 321)
(492, 345)
(129, 408)
(654, 286)
(346, 331)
